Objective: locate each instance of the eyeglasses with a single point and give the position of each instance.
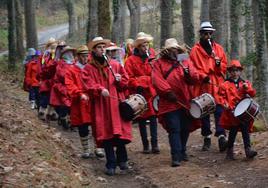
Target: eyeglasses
(207, 33)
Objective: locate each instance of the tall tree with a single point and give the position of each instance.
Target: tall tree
(118, 29)
(11, 35)
(92, 23)
(104, 19)
(166, 8)
(71, 16)
(204, 15)
(216, 15)
(188, 22)
(134, 10)
(19, 29)
(234, 16)
(30, 22)
(261, 81)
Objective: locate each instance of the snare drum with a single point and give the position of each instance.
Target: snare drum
(202, 106)
(246, 110)
(132, 107)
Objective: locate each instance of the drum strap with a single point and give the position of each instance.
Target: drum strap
(170, 70)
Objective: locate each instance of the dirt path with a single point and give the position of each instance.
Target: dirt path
(35, 155)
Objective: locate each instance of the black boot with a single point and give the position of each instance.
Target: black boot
(146, 149)
(175, 161)
(230, 154)
(155, 148)
(207, 144)
(222, 143)
(250, 153)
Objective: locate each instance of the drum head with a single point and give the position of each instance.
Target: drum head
(242, 106)
(155, 103)
(126, 112)
(195, 110)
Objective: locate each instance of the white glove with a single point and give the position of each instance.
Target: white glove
(105, 93)
(118, 77)
(84, 97)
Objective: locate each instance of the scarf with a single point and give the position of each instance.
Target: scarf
(206, 46)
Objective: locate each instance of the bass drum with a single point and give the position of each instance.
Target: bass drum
(246, 110)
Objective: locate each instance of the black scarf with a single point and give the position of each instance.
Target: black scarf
(206, 46)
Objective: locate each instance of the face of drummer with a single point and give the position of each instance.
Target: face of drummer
(99, 49)
(173, 52)
(144, 48)
(205, 35)
(83, 58)
(235, 73)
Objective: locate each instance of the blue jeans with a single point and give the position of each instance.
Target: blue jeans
(245, 135)
(177, 123)
(114, 157)
(153, 131)
(44, 99)
(205, 129)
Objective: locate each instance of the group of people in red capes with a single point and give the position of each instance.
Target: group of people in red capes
(89, 85)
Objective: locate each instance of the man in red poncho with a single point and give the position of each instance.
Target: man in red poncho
(232, 91)
(209, 59)
(105, 79)
(139, 68)
(171, 78)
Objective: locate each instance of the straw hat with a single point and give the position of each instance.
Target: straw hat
(82, 49)
(50, 42)
(234, 64)
(112, 46)
(96, 41)
(206, 26)
(173, 43)
(66, 49)
(142, 34)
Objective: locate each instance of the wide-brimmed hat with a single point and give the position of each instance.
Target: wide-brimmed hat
(66, 49)
(96, 41)
(82, 49)
(234, 64)
(50, 42)
(148, 36)
(140, 41)
(206, 26)
(112, 46)
(173, 43)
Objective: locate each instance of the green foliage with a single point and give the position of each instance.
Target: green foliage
(3, 39)
(250, 59)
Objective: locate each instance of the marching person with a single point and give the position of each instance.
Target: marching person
(106, 80)
(232, 91)
(209, 59)
(114, 52)
(139, 69)
(171, 77)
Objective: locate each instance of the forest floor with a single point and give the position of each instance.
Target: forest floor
(35, 154)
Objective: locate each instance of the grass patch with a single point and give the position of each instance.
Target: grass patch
(3, 39)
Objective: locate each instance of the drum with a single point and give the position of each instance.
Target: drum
(132, 107)
(202, 106)
(246, 110)
(155, 103)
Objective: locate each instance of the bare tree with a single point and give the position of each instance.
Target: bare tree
(71, 16)
(92, 23)
(166, 8)
(104, 19)
(19, 29)
(118, 29)
(30, 22)
(234, 16)
(204, 15)
(11, 35)
(188, 22)
(134, 9)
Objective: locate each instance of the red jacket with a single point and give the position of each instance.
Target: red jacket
(205, 65)
(80, 109)
(108, 123)
(231, 96)
(140, 75)
(31, 73)
(26, 85)
(58, 94)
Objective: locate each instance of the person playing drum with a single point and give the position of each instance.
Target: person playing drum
(209, 59)
(233, 90)
(171, 78)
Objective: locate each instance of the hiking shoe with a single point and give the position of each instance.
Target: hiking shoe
(222, 143)
(250, 154)
(207, 144)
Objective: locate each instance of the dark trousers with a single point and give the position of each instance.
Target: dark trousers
(153, 131)
(245, 135)
(177, 123)
(44, 99)
(34, 95)
(83, 130)
(114, 157)
(205, 129)
(62, 111)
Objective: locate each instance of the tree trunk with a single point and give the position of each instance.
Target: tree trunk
(11, 35)
(234, 16)
(134, 10)
(31, 33)
(204, 15)
(261, 81)
(71, 17)
(118, 23)
(249, 38)
(104, 19)
(226, 26)
(92, 22)
(188, 22)
(216, 8)
(19, 29)
(166, 8)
